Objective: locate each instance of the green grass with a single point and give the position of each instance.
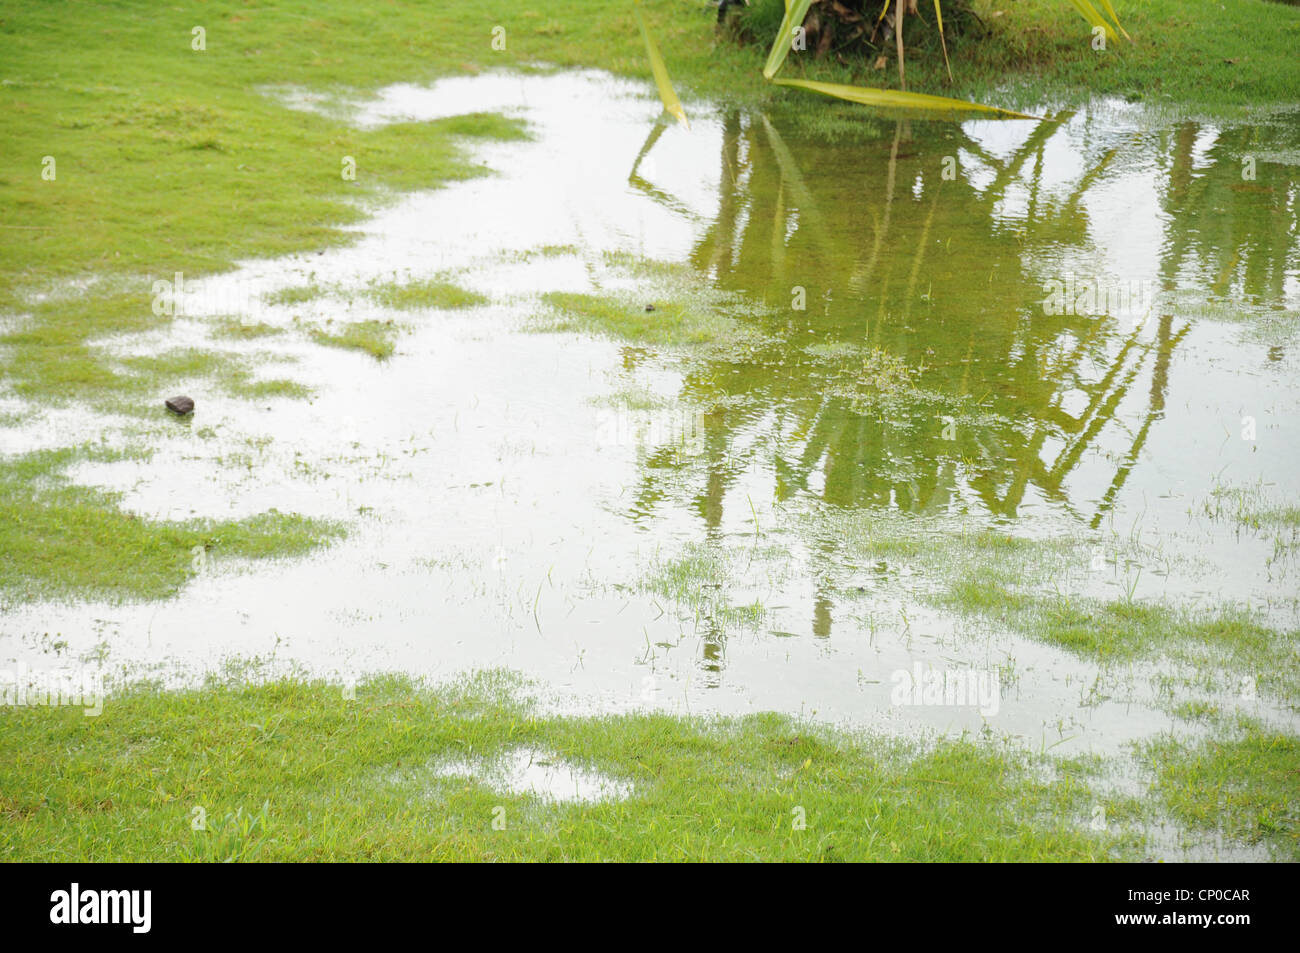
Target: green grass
(376, 338)
(1225, 641)
(1242, 786)
(700, 580)
(295, 294)
(680, 323)
(174, 160)
(297, 771)
(283, 387)
(63, 539)
(235, 329)
(414, 295)
(1256, 509)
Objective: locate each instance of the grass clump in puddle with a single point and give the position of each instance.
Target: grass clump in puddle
(1227, 643)
(376, 338)
(240, 330)
(1240, 783)
(663, 323)
(61, 539)
(1253, 508)
(275, 387)
(232, 373)
(294, 294)
(291, 770)
(1023, 585)
(702, 580)
(430, 293)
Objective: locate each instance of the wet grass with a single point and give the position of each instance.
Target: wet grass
(275, 387)
(296, 771)
(415, 295)
(132, 133)
(1240, 783)
(702, 580)
(1029, 586)
(1256, 509)
(376, 338)
(1225, 643)
(677, 323)
(294, 294)
(131, 136)
(62, 539)
(239, 330)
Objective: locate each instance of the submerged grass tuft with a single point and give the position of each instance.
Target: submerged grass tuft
(376, 338)
(431, 293)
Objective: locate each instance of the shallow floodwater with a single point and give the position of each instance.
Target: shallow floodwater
(1081, 328)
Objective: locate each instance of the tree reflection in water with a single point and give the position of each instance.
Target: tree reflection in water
(925, 374)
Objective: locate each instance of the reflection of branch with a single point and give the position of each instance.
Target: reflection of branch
(790, 171)
(1034, 142)
(655, 132)
(816, 442)
(861, 275)
(716, 244)
(1090, 177)
(1159, 384)
(658, 196)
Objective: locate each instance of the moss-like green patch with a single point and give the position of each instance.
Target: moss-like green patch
(297, 771)
(62, 539)
(294, 294)
(235, 329)
(668, 323)
(413, 295)
(1247, 787)
(270, 387)
(376, 338)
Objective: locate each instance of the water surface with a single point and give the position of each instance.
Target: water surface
(1079, 330)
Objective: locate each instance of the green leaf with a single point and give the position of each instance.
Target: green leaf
(1105, 5)
(672, 104)
(897, 99)
(795, 11)
(1089, 13)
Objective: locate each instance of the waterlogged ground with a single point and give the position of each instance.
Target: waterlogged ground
(749, 417)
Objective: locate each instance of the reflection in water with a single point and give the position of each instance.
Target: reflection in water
(913, 357)
(936, 275)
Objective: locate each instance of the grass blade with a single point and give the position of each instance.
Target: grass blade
(672, 104)
(895, 99)
(795, 11)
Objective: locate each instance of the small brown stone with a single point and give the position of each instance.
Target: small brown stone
(180, 405)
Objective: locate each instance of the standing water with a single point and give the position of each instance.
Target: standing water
(920, 360)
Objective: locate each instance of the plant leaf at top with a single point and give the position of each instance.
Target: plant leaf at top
(897, 99)
(795, 11)
(672, 104)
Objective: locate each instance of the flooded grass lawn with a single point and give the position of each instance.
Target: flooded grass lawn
(565, 485)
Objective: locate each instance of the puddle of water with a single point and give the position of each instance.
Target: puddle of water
(503, 512)
(541, 774)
